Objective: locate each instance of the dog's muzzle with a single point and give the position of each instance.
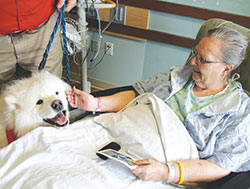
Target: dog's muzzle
(60, 120)
(57, 105)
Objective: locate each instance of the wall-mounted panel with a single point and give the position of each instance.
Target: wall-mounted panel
(135, 17)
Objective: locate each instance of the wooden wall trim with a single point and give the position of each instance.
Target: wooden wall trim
(185, 10)
(145, 34)
(172, 8)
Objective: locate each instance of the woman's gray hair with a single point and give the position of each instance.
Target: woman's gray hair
(234, 44)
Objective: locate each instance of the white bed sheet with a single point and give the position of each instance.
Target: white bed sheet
(65, 158)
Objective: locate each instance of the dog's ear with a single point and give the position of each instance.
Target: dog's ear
(11, 101)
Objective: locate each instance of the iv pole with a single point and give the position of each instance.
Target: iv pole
(83, 24)
(83, 27)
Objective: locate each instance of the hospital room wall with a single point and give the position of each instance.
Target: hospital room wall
(134, 60)
(124, 67)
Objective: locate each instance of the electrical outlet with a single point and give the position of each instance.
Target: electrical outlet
(109, 48)
(94, 45)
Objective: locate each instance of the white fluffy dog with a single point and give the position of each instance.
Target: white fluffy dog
(33, 102)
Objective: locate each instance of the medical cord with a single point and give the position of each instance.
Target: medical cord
(112, 19)
(92, 67)
(60, 19)
(100, 31)
(79, 65)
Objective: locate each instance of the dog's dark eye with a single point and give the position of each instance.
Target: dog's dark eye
(57, 93)
(39, 102)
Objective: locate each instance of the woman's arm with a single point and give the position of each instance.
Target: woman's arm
(195, 170)
(112, 103)
(117, 101)
(198, 170)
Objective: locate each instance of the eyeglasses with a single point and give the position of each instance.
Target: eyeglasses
(200, 59)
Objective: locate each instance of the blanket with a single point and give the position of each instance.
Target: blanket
(66, 158)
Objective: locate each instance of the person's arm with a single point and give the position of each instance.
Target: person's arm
(117, 101)
(112, 103)
(195, 170)
(70, 4)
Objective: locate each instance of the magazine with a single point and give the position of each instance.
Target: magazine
(120, 157)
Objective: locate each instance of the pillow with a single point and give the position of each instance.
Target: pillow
(148, 128)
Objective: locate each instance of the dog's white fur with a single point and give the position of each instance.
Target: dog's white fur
(26, 103)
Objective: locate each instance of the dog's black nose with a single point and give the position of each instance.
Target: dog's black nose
(57, 105)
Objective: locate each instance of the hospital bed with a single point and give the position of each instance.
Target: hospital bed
(51, 158)
(234, 180)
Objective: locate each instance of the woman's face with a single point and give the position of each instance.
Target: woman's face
(208, 67)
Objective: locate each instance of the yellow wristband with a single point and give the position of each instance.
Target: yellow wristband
(181, 167)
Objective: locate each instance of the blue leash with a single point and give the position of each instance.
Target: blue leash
(60, 19)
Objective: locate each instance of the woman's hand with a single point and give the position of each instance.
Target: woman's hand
(195, 170)
(81, 99)
(70, 4)
(149, 169)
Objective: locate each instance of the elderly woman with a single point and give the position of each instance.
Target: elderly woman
(212, 106)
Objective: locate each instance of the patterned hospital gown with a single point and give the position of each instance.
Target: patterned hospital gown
(220, 129)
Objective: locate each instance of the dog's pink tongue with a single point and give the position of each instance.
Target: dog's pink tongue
(60, 119)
